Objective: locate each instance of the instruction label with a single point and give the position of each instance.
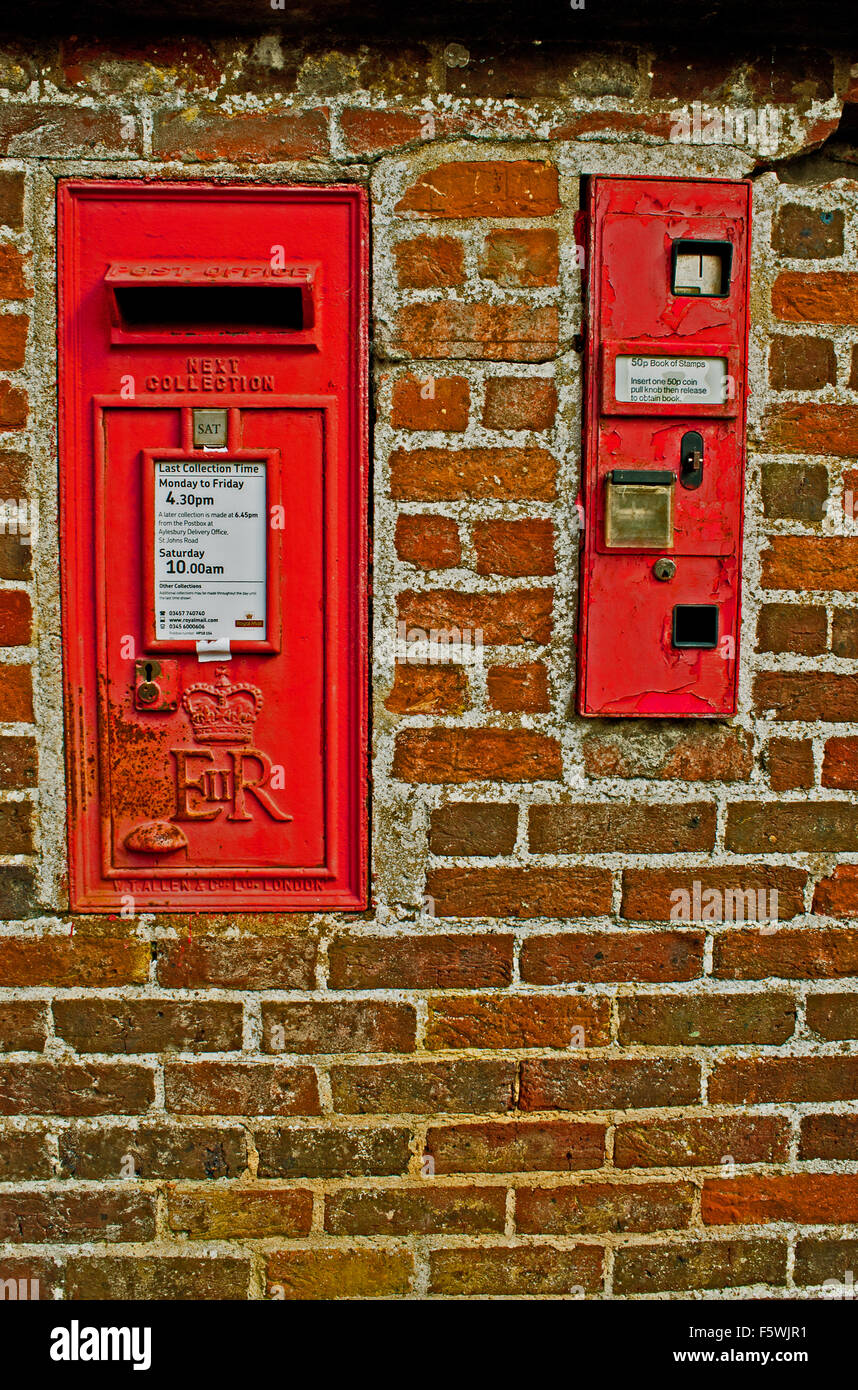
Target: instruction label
(672, 380)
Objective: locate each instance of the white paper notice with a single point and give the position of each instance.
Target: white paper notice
(210, 551)
(672, 380)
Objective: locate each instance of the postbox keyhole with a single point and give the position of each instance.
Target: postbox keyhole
(691, 459)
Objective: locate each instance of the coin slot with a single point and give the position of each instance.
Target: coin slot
(695, 625)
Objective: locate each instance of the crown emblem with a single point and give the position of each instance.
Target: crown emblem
(222, 712)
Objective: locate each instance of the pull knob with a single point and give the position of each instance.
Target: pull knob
(691, 459)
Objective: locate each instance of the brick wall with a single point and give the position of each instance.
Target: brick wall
(521, 1072)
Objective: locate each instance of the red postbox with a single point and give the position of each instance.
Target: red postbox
(666, 303)
(213, 544)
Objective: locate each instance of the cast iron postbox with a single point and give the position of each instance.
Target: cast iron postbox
(213, 544)
(666, 304)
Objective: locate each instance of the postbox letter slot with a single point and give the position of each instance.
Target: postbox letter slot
(232, 308)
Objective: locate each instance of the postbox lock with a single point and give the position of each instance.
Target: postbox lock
(156, 686)
(664, 569)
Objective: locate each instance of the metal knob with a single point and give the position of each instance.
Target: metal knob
(664, 569)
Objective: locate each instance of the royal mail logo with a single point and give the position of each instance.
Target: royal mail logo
(222, 712)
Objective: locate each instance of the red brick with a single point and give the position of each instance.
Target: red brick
(789, 953)
(800, 231)
(761, 1080)
(701, 753)
(828, 296)
(14, 407)
(602, 957)
(837, 896)
(16, 827)
(794, 491)
(840, 764)
(64, 1216)
(91, 1088)
(370, 132)
(24, 1156)
(69, 961)
(148, 1025)
(55, 130)
(808, 428)
(824, 696)
(466, 827)
(416, 1211)
(153, 1278)
(819, 1260)
(501, 188)
(519, 1271)
(327, 1274)
(326, 1152)
(706, 1020)
(13, 340)
(23, 1026)
(521, 257)
(475, 755)
(833, 1016)
(19, 762)
(519, 403)
(428, 690)
(789, 627)
(238, 1214)
(458, 330)
(451, 475)
(519, 688)
(31, 1278)
(240, 1088)
(16, 694)
(431, 403)
(790, 763)
(598, 1208)
(11, 198)
(596, 1083)
(206, 131)
(157, 1150)
(366, 1025)
(262, 962)
(830, 1137)
(670, 895)
(702, 1143)
(811, 562)
(461, 1087)
(516, 1146)
(507, 618)
(517, 1021)
(523, 893)
(429, 542)
(515, 548)
(451, 961)
(699, 1265)
(636, 828)
(801, 362)
(815, 1198)
(425, 262)
(770, 827)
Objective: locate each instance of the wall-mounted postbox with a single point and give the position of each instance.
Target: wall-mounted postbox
(666, 303)
(213, 544)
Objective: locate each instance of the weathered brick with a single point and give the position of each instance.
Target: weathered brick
(468, 961)
(598, 1208)
(239, 1213)
(148, 1025)
(501, 188)
(55, 130)
(807, 233)
(424, 1088)
(617, 1083)
(35, 1218)
(474, 755)
(350, 1025)
(16, 827)
(449, 475)
(760, 1080)
(430, 403)
(507, 1021)
(508, 619)
(68, 961)
(514, 548)
(327, 1274)
(790, 763)
(844, 632)
(429, 542)
(457, 330)
(516, 1146)
(722, 894)
(801, 362)
(515, 1271)
(794, 492)
(263, 962)
(521, 257)
(424, 262)
(414, 1211)
(24, 1155)
(158, 1278)
(17, 892)
(524, 893)
(824, 696)
(707, 1020)
(428, 690)
(23, 1026)
(31, 1278)
(811, 562)
(11, 198)
(833, 1016)
(699, 1265)
(240, 1088)
(706, 1142)
(68, 1088)
(700, 753)
(593, 827)
(607, 956)
(466, 827)
(155, 1150)
(16, 693)
(770, 827)
(790, 627)
(837, 896)
(369, 132)
(818, 1259)
(14, 407)
(788, 953)
(808, 428)
(830, 1137)
(840, 763)
(519, 403)
(829, 296)
(815, 1198)
(13, 340)
(19, 762)
(206, 131)
(312, 1152)
(514, 689)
